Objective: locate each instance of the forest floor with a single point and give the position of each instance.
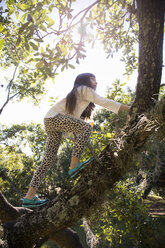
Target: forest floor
(156, 205)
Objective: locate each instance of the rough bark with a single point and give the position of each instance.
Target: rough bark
(151, 23)
(66, 238)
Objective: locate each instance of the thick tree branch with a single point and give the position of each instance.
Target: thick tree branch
(8, 212)
(65, 238)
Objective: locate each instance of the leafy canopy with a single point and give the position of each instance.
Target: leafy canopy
(40, 38)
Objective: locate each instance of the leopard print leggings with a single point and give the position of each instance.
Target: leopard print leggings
(54, 128)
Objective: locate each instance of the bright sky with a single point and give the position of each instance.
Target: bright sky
(106, 71)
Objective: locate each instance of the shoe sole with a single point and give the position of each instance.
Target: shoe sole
(34, 205)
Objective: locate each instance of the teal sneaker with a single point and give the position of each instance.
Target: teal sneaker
(79, 167)
(33, 203)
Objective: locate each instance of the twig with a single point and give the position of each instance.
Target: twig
(9, 90)
(4, 177)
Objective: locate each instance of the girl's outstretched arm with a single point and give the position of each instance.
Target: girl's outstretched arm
(124, 107)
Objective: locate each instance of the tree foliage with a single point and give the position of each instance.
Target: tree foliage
(123, 220)
(40, 38)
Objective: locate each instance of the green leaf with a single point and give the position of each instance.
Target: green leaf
(11, 8)
(50, 21)
(23, 18)
(27, 46)
(24, 26)
(25, 71)
(42, 27)
(63, 67)
(39, 64)
(1, 27)
(71, 66)
(1, 44)
(31, 59)
(17, 15)
(34, 46)
(38, 39)
(18, 42)
(24, 6)
(38, 7)
(42, 50)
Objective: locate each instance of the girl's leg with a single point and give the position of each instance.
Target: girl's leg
(52, 145)
(81, 128)
(74, 162)
(31, 193)
(83, 135)
(80, 143)
(54, 128)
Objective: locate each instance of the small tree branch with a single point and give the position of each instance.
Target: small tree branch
(9, 90)
(11, 82)
(71, 24)
(5, 177)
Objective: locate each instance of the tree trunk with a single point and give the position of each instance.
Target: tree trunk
(151, 23)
